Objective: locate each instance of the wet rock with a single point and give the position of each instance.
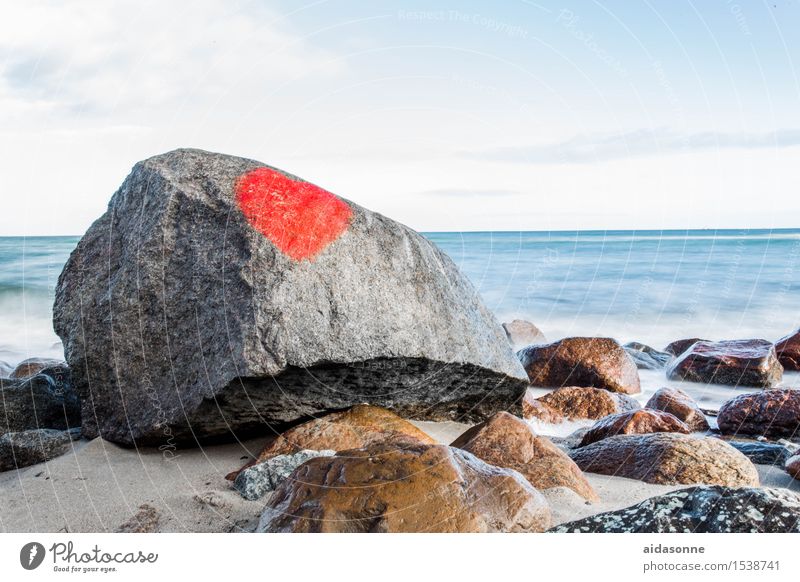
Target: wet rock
(41, 401)
(30, 447)
(731, 362)
(507, 441)
(33, 366)
(668, 459)
(793, 466)
(700, 510)
(428, 488)
(788, 351)
(771, 413)
(581, 361)
(762, 453)
(637, 422)
(679, 404)
(245, 299)
(575, 403)
(645, 357)
(256, 481)
(523, 333)
(678, 347)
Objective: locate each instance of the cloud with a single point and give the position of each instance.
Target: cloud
(645, 142)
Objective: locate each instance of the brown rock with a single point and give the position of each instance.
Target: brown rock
(145, 520)
(357, 427)
(581, 361)
(677, 347)
(576, 403)
(732, 362)
(788, 351)
(507, 441)
(771, 413)
(33, 366)
(668, 459)
(637, 422)
(793, 466)
(679, 404)
(523, 333)
(425, 488)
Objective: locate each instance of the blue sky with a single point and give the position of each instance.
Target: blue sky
(444, 115)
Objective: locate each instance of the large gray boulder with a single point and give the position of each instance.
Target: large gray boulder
(219, 296)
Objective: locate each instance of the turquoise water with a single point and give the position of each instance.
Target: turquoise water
(648, 286)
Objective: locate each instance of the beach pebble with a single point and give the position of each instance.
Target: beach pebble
(679, 404)
(575, 403)
(425, 488)
(750, 362)
(647, 358)
(636, 422)
(701, 509)
(770, 413)
(40, 401)
(30, 447)
(523, 333)
(788, 350)
(668, 459)
(256, 481)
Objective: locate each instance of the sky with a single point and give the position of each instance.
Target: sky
(515, 115)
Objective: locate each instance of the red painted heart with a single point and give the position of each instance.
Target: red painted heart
(301, 219)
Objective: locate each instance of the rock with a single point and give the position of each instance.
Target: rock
(145, 520)
(679, 404)
(700, 510)
(581, 361)
(762, 453)
(263, 300)
(793, 466)
(41, 401)
(33, 366)
(677, 347)
(507, 441)
(637, 422)
(360, 426)
(575, 403)
(256, 481)
(645, 357)
(732, 362)
(771, 413)
(788, 351)
(523, 333)
(668, 459)
(427, 488)
(29, 447)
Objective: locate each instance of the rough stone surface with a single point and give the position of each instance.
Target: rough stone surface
(256, 481)
(762, 453)
(678, 347)
(29, 447)
(40, 401)
(788, 351)
(636, 422)
(523, 333)
(428, 488)
(507, 441)
(771, 413)
(145, 520)
(793, 466)
(700, 510)
(576, 403)
(679, 404)
(218, 295)
(731, 362)
(581, 361)
(645, 357)
(33, 366)
(668, 459)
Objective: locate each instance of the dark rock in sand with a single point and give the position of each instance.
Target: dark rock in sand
(793, 466)
(428, 488)
(700, 510)
(575, 403)
(647, 358)
(731, 362)
(29, 447)
(523, 333)
(41, 401)
(668, 459)
(762, 453)
(218, 296)
(637, 422)
(257, 480)
(33, 366)
(677, 347)
(581, 361)
(507, 441)
(771, 413)
(679, 404)
(788, 351)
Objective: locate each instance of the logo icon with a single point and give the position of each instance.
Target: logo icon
(31, 555)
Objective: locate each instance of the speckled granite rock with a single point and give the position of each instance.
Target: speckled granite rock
(770, 413)
(29, 447)
(257, 480)
(576, 403)
(45, 400)
(762, 453)
(678, 347)
(642, 421)
(732, 362)
(788, 351)
(679, 404)
(647, 358)
(523, 333)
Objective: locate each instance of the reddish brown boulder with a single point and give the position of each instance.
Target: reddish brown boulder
(581, 361)
(523, 333)
(360, 426)
(575, 403)
(668, 459)
(679, 404)
(733, 362)
(771, 413)
(637, 422)
(793, 466)
(425, 488)
(677, 347)
(788, 350)
(507, 441)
